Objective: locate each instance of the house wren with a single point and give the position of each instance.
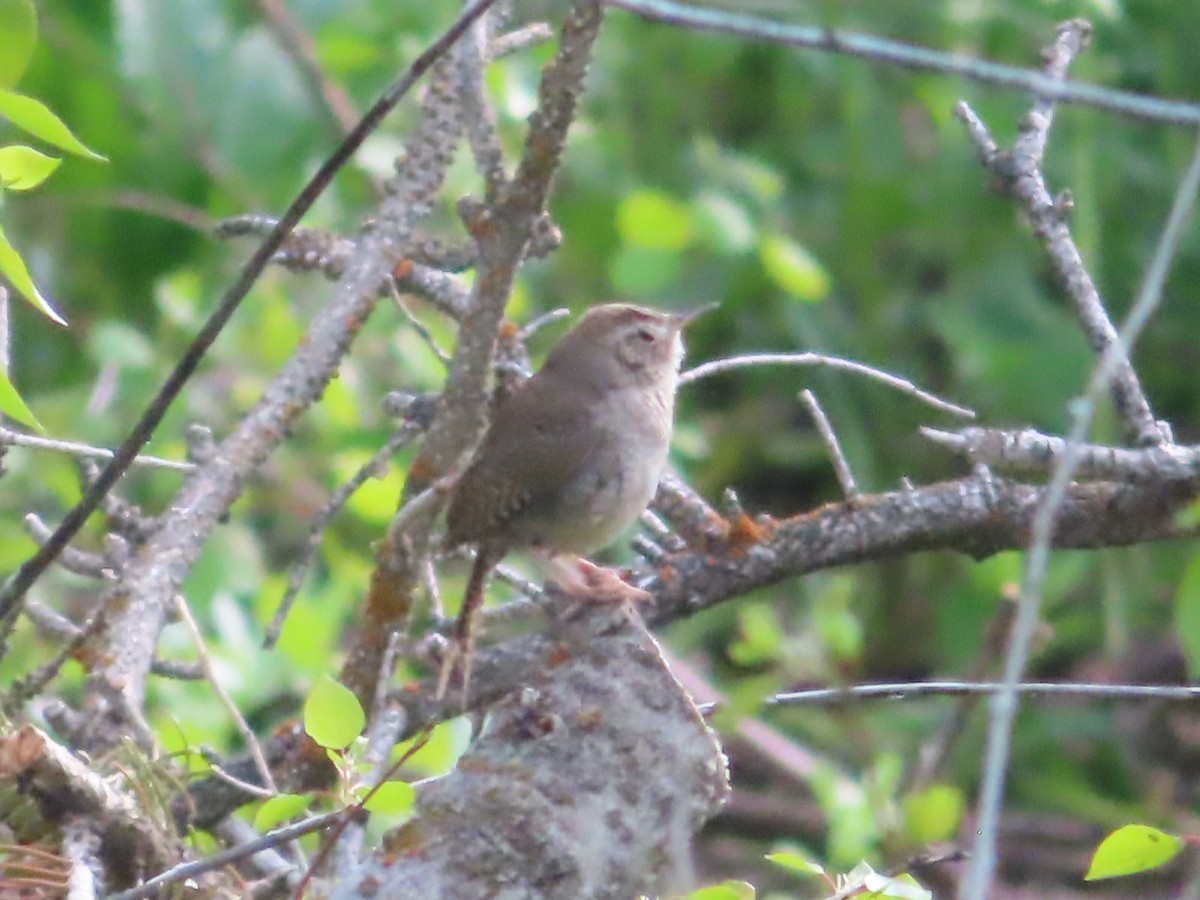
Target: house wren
(574, 454)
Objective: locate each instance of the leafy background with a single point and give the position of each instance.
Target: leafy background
(828, 204)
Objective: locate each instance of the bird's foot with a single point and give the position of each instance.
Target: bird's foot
(580, 578)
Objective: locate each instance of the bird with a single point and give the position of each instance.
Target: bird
(571, 458)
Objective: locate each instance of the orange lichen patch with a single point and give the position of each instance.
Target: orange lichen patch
(403, 269)
(508, 329)
(744, 533)
(558, 656)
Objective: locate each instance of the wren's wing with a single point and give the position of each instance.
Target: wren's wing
(534, 448)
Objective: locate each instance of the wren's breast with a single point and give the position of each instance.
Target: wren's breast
(635, 444)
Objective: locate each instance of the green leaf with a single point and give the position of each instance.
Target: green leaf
(1130, 849)
(654, 220)
(14, 407)
(22, 168)
(793, 268)
(34, 117)
(759, 636)
(280, 809)
(333, 717)
(18, 37)
(933, 814)
(728, 890)
(13, 268)
(392, 798)
(796, 862)
(899, 887)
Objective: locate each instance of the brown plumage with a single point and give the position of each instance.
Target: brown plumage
(574, 454)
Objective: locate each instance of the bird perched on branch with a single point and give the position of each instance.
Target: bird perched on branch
(572, 456)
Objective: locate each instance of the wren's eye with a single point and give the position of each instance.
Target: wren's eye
(647, 336)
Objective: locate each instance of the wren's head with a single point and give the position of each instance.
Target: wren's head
(617, 344)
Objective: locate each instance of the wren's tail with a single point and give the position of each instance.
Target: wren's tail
(462, 640)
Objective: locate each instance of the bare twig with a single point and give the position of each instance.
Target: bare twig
(371, 469)
(150, 887)
(514, 41)
(81, 562)
(20, 439)
(1004, 704)
(912, 690)
(549, 318)
(903, 385)
(907, 56)
(478, 115)
(301, 49)
(1030, 451)
(418, 326)
(1021, 172)
(841, 466)
(239, 721)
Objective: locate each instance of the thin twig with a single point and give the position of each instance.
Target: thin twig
(14, 590)
(841, 466)
(417, 325)
(1031, 451)
(33, 683)
(522, 38)
(903, 385)
(80, 562)
(1004, 704)
(150, 888)
(247, 787)
(302, 50)
(541, 322)
(912, 690)
(20, 439)
(239, 721)
(1020, 171)
(370, 469)
(907, 56)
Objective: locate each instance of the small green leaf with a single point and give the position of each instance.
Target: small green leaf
(18, 37)
(14, 407)
(795, 862)
(654, 220)
(899, 887)
(333, 717)
(793, 268)
(392, 798)
(33, 116)
(13, 268)
(1130, 849)
(280, 809)
(22, 168)
(728, 890)
(933, 814)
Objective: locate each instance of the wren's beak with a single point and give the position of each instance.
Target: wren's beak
(682, 320)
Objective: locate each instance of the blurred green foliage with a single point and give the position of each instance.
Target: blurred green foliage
(829, 204)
